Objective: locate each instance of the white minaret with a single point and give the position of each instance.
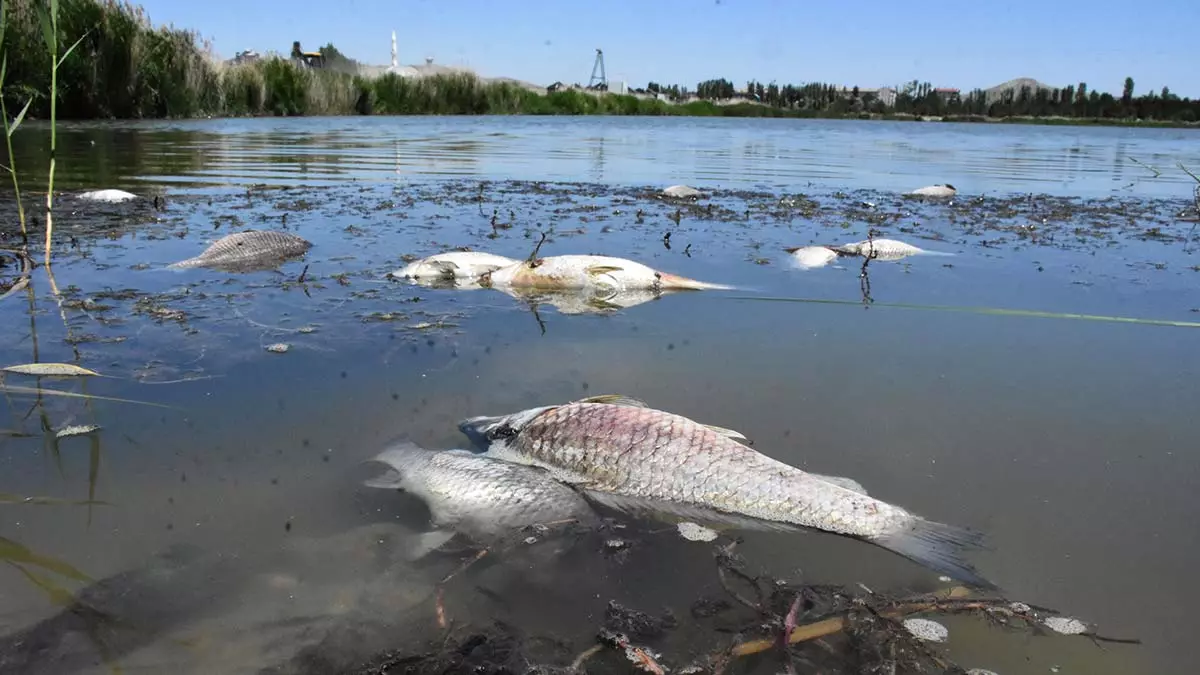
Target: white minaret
(394, 63)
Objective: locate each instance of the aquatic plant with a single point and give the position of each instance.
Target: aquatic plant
(9, 129)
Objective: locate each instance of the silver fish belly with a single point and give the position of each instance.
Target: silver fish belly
(655, 455)
(481, 497)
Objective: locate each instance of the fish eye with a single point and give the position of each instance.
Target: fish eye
(501, 432)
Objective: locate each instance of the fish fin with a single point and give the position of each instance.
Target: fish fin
(729, 433)
(939, 547)
(842, 481)
(615, 399)
(675, 512)
(428, 542)
(597, 270)
(792, 249)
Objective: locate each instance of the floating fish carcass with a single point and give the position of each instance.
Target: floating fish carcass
(942, 190)
(248, 250)
(561, 272)
(633, 456)
(107, 196)
(884, 249)
(811, 257)
(682, 192)
(452, 265)
(481, 497)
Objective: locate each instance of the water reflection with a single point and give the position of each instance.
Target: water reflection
(788, 154)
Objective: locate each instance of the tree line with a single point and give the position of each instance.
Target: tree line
(921, 98)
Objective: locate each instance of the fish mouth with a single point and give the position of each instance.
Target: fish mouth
(476, 428)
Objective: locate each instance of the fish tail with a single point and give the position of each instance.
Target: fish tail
(939, 547)
(674, 281)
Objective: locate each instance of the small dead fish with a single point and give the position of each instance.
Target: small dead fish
(811, 257)
(76, 430)
(943, 190)
(631, 456)
(451, 265)
(481, 497)
(884, 249)
(562, 272)
(248, 250)
(682, 192)
(108, 196)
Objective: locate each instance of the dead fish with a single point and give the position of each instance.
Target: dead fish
(247, 250)
(811, 257)
(884, 249)
(481, 497)
(633, 457)
(943, 190)
(108, 196)
(682, 192)
(561, 272)
(452, 265)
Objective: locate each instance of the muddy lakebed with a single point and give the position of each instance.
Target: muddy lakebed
(1037, 385)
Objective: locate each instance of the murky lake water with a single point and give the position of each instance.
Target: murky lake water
(1065, 440)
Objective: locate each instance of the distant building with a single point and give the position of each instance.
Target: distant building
(946, 93)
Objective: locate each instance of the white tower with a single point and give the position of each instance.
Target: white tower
(394, 63)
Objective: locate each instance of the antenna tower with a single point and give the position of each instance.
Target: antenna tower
(601, 81)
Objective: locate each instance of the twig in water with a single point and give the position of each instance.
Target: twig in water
(532, 259)
(303, 273)
(1156, 172)
(441, 605)
(1185, 170)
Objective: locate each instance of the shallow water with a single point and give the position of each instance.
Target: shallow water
(1065, 440)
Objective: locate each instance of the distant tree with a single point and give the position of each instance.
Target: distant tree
(1127, 95)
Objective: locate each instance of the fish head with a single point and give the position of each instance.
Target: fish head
(402, 458)
(494, 433)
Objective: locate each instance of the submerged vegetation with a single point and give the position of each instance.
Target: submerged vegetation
(132, 69)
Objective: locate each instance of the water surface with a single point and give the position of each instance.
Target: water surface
(1065, 440)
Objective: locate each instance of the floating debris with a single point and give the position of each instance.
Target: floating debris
(1065, 625)
(693, 532)
(927, 629)
(278, 347)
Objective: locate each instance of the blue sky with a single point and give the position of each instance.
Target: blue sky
(867, 43)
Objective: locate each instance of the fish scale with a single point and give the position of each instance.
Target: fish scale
(633, 455)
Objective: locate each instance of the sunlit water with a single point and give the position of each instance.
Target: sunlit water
(1069, 442)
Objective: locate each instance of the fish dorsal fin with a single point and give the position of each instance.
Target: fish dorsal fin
(728, 433)
(843, 482)
(597, 270)
(615, 399)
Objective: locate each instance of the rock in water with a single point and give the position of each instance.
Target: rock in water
(248, 250)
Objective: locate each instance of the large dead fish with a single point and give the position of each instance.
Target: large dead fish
(562, 272)
(451, 265)
(884, 249)
(481, 497)
(248, 250)
(627, 455)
